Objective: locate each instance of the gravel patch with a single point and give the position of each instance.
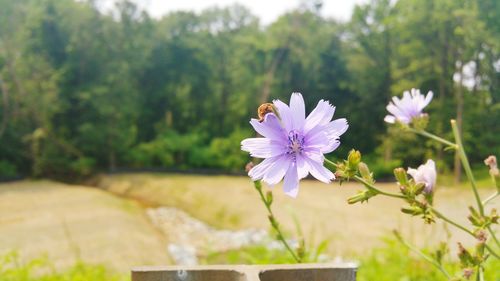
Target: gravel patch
(190, 238)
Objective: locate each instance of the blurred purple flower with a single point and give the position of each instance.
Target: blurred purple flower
(425, 174)
(407, 108)
(293, 145)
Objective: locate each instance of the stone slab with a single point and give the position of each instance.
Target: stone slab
(295, 272)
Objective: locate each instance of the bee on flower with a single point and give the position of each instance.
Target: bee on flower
(292, 145)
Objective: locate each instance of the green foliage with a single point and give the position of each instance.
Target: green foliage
(167, 150)
(41, 269)
(84, 91)
(251, 255)
(393, 261)
(7, 169)
(396, 262)
(222, 153)
(264, 254)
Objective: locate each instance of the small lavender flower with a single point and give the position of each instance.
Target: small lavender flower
(425, 174)
(407, 108)
(293, 145)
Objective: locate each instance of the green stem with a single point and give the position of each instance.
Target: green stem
(465, 163)
(492, 252)
(446, 219)
(372, 187)
(423, 255)
(470, 175)
(480, 273)
(436, 212)
(434, 137)
(330, 165)
(492, 233)
(365, 183)
(274, 223)
(457, 225)
(491, 197)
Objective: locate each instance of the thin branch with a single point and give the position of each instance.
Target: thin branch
(372, 187)
(434, 137)
(465, 163)
(423, 255)
(457, 225)
(490, 198)
(274, 223)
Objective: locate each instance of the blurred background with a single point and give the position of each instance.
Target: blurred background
(103, 93)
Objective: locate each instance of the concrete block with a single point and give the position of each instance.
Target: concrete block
(295, 272)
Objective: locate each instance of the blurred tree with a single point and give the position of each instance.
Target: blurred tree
(84, 90)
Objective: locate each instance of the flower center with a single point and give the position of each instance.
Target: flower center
(295, 142)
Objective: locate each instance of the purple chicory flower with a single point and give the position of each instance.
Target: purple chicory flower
(407, 108)
(425, 174)
(293, 145)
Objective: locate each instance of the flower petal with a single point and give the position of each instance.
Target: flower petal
(291, 182)
(270, 127)
(425, 174)
(302, 169)
(277, 171)
(316, 138)
(318, 171)
(428, 99)
(258, 171)
(412, 172)
(284, 113)
(334, 144)
(314, 154)
(398, 113)
(321, 115)
(262, 147)
(337, 127)
(390, 119)
(298, 110)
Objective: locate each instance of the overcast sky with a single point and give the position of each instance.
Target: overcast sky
(266, 10)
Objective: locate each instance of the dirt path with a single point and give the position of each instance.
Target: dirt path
(231, 202)
(68, 223)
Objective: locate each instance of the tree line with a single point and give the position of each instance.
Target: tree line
(86, 91)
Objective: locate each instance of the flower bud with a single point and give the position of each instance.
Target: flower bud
(269, 198)
(249, 166)
(258, 185)
(354, 158)
(475, 221)
(464, 255)
(401, 176)
(360, 197)
(272, 220)
(491, 162)
(425, 174)
(420, 122)
(475, 218)
(467, 272)
(365, 172)
(481, 236)
(494, 216)
(412, 210)
(480, 248)
(419, 187)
